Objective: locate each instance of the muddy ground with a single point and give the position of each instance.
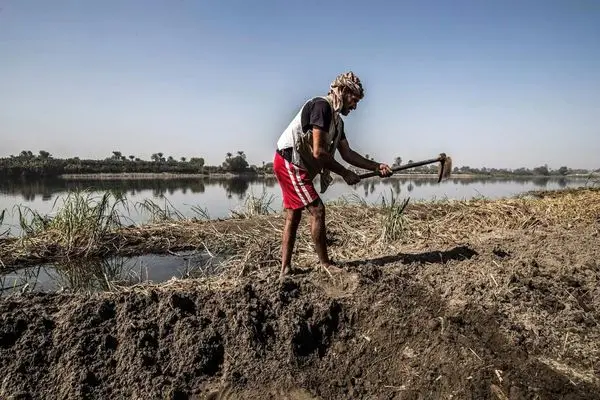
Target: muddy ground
(511, 315)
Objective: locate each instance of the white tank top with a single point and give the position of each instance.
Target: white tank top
(301, 143)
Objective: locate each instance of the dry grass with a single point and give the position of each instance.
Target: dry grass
(251, 241)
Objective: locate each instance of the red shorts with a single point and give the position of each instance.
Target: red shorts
(297, 189)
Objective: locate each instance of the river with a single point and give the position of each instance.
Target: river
(218, 198)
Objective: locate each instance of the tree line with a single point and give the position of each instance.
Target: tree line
(43, 164)
(30, 165)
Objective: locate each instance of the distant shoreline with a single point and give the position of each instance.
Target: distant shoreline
(157, 175)
(166, 175)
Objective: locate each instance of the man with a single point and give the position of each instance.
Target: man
(307, 148)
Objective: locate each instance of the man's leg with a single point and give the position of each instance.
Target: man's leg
(318, 231)
(290, 230)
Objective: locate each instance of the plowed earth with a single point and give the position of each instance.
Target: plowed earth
(511, 316)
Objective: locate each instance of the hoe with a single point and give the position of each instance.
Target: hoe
(444, 171)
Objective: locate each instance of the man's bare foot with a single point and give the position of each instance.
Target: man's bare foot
(331, 268)
(285, 271)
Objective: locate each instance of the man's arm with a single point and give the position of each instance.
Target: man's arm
(322, 155)
(353, 158)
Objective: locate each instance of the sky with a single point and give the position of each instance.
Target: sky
(497, 84)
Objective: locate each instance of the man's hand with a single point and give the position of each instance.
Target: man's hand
(385, 170)
(351, 178)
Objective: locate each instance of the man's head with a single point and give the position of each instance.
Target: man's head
(346, 91)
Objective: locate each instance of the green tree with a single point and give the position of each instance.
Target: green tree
(542, 170)
(157, 157)
(198, 161)
(237, 163)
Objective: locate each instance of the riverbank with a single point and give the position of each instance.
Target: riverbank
(475, 299)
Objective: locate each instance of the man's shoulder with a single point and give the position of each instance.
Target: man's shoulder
(318, 106)
(316, 112)
(318, 102)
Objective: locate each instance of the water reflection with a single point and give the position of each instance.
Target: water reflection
(105, 274)
(411, 183)
(234, 187)
(47, 188)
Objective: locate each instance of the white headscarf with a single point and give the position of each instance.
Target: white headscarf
(345, 82)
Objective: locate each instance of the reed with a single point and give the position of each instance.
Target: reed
(3, 231)
(394, 221)
(158, 213)
(76, 227)
(200, 213)
(255, 205)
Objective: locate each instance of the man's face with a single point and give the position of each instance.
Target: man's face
(350, 102)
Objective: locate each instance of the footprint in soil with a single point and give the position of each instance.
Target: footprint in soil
(337, 285)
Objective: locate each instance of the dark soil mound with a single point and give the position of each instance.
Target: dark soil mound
(507, 318)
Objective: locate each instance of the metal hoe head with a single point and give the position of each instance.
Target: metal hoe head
(445, 169)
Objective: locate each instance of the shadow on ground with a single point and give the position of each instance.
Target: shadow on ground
(458, 253)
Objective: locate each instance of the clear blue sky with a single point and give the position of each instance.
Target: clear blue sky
(492, 83)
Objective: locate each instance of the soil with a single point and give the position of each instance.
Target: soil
(513, 315)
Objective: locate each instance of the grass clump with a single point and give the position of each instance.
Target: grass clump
(394, 220)
(255, 205)
(79, 224)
